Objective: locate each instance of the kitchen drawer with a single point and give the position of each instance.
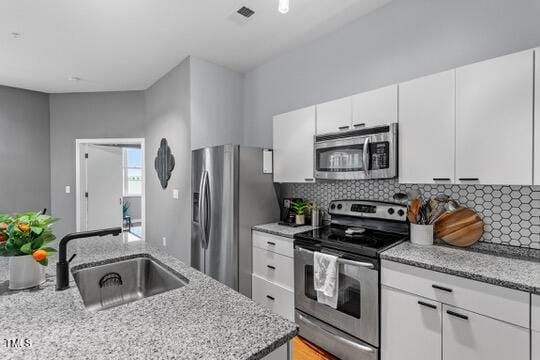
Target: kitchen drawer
(535, 313)
(274, 297)
(494, 301)
(278, 244)
(274, 267)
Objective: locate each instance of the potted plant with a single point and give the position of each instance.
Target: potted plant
(24, 239)
(299, 207)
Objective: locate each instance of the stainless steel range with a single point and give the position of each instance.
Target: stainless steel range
(360, 230)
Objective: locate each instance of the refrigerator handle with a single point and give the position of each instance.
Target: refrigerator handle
(204, 207)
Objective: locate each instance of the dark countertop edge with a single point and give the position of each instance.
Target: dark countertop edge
(274, 346)
(464, 274)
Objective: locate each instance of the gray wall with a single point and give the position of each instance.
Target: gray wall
(216, 104)
(86, 116)
(401, 41)
(168, 116)
(24, 150)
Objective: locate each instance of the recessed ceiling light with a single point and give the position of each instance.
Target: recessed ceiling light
(283, 6)
(74, 78)
(16, 35)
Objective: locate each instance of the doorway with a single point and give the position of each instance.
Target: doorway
(110, 186)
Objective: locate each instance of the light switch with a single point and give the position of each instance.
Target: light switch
(68, 189)
(175, 194)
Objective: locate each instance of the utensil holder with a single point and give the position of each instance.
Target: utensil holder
(422, 234)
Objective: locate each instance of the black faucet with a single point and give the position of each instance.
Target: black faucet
(62, 266)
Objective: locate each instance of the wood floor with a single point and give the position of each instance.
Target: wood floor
(304, 350)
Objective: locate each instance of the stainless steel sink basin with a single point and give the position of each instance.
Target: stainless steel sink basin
(120, 282)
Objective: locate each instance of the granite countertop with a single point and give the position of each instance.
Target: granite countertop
(202, 320)
(282, 230)
(513, 268)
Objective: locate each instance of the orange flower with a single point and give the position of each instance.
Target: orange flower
(39, 255)
(24, 227)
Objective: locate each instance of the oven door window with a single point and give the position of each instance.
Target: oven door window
(340, 158)
(349, 292)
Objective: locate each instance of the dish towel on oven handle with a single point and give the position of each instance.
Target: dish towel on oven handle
(325, 278)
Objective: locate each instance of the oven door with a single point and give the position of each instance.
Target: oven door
(357, 312)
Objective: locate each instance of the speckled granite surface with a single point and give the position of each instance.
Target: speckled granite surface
(202, 320)
(499, 267)
(282, 230)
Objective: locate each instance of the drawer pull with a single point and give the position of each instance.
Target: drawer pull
(344, 128)
(270, 297)
(442, 288)
(309, 179)
(461, 316)
(427, 305)
(441, 179)
(271, 267)
(271, 243)
(359, 125)
(469, 179)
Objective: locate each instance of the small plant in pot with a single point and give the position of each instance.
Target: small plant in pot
(299, 207)
(24, 239)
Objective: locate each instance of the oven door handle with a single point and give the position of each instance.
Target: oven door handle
(336, 337)
(365, 157)
(344, 261)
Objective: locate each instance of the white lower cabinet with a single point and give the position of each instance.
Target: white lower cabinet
(535, 345)
(272, 279)
(415, 327)
(469, 336)
(410, 326)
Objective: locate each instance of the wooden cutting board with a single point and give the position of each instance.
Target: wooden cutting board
(462, 227)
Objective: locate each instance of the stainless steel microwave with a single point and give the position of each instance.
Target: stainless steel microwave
(368, 153)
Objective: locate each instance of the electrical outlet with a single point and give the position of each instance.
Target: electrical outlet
(164, 241)
(68, 189)
(175, 194)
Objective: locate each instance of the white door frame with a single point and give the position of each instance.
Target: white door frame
(79, 143)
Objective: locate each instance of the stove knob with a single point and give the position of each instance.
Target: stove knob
(401, 212)
(391, 211)
(339, 206)
(333, 206)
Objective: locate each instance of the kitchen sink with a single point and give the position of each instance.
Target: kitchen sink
(123, 281)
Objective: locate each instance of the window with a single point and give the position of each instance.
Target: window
(132, 172)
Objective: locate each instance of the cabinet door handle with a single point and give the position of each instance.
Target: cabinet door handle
(359, 125)
(469, 179)
(271, 243)
(442, 288)
(271, 267)
(270, 297)
(308, 179)
(441, 179)
(344, 128)
(461, 316)
(427, 305)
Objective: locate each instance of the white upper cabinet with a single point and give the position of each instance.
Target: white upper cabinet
(375, 107)
(293, 146)
(426, 129)
(334, 116)
(537, 119)
(494, 121)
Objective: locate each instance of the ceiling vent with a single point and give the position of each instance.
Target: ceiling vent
(245, 11)
(241, 16)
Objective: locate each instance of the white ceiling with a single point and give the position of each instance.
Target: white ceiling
(129, 44)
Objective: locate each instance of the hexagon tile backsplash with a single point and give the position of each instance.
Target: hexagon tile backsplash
(511, 213)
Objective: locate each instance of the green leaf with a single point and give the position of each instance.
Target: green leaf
(36, 229)
(36, 244)
(48, 249)
(27, 248)
(44, 262)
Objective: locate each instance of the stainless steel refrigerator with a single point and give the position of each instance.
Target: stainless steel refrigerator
(230, 194)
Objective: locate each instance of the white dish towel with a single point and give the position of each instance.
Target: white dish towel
(325, 278)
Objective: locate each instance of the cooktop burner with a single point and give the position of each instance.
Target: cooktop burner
(368, 243)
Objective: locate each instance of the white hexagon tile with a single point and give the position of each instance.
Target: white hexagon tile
(511, 213)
